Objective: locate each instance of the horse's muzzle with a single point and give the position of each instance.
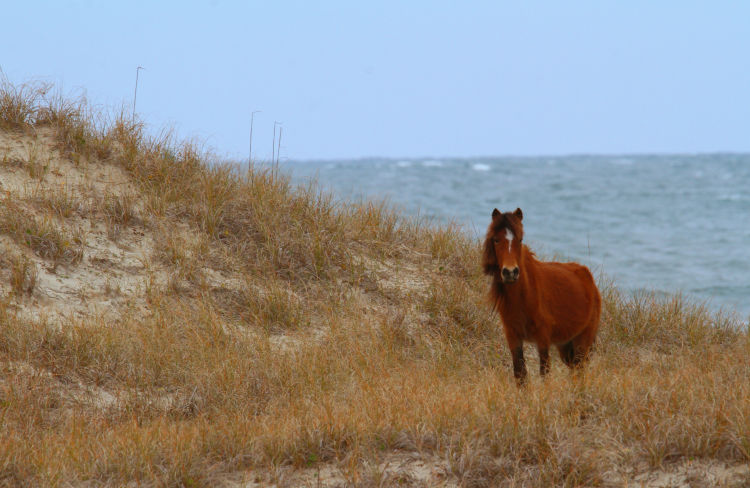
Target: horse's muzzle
(510, 275)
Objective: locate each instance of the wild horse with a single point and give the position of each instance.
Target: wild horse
(541, 302)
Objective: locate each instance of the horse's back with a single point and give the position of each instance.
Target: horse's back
(574, 277)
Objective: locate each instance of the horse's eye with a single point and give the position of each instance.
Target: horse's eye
(495, 240)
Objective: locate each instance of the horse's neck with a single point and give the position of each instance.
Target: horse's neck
(529, 262)
(516, 294)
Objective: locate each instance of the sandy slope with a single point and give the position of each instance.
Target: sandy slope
(116, 271)
(119, 267)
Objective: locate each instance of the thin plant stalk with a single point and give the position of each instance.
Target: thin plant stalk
(278, 149)
(273, 146)
(135, 95)
(250, 157)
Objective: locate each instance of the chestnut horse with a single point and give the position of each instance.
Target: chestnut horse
(541, 302)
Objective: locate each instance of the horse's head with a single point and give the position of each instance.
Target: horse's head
(502, 246)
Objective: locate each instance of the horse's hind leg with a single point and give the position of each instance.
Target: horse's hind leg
(567, 353)
(576, 351)
(582, 345)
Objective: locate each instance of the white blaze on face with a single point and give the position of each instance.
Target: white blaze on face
(509, 235)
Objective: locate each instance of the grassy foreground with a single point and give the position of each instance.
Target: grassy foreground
(274, 332)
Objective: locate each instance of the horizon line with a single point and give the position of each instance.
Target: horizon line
(525, 156)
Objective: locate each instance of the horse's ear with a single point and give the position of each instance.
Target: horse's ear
(518, 214)
(495, 213)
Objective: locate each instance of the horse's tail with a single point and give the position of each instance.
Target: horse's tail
(595, 300)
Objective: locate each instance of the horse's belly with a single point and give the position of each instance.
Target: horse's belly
(570, 314)
(571, 321)
(561, 335)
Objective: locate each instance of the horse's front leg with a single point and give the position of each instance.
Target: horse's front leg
(515, 344)
(543, 358)
(519, 364)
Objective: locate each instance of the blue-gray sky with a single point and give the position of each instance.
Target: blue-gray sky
(405, 79)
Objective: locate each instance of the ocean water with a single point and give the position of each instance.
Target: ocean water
(669, 223)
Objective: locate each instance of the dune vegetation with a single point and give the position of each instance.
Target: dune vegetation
(167, 319)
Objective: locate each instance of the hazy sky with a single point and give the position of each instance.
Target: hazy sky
(404, 79)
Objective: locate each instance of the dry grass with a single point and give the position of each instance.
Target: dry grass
(19, 104)
(43, 235)
(22, 272)
(61, 201)
(36, 164)
(353, 333)
(119, 212)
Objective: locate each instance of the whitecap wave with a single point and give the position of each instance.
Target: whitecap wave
(623, 161)
(480, 167)
(432, 163)
(730, 197)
